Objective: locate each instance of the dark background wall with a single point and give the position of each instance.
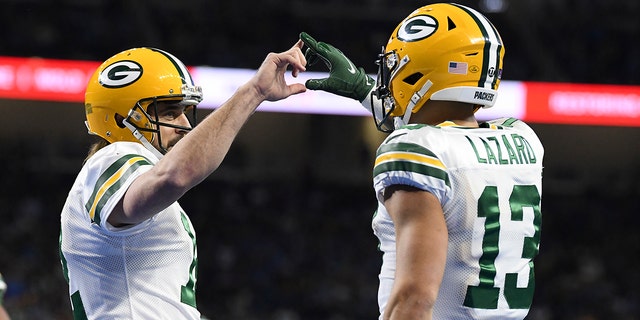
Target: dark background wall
(284, 225)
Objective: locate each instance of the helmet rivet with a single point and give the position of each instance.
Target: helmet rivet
(171, 91)
(108, 133)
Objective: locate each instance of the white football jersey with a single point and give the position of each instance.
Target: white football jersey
(145, 271)
(489, 183)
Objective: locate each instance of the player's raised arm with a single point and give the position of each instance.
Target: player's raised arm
(201, 151)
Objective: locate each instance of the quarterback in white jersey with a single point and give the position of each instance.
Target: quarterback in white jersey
(459, 215)
(127, 249)
(488, 181)
(144, 271)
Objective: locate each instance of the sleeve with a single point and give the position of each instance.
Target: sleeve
(110, 175)
(403, 161)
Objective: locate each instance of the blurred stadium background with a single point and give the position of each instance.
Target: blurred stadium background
(284, 226)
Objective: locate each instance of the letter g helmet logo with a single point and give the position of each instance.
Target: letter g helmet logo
(417, 28)
(121, 73)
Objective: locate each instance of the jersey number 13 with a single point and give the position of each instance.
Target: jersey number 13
(485, 294)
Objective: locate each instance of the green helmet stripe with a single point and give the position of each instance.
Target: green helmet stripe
(180, 67)
(492, 49)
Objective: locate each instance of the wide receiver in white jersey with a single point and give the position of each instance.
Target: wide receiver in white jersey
(127, 248)
(459, 201)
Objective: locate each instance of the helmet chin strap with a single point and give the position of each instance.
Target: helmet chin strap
(415, 99)
(373, 104)
(141, 138)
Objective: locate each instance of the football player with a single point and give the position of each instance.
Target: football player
(127, 248)
(459, 211)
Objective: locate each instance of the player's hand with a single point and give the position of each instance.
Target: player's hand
(269, 80)
(344, 78)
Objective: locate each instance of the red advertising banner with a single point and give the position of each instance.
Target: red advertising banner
(44, 79)
(583, 104)
(541, 102)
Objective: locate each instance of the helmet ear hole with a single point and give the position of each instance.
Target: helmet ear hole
(413, 79)
(119, 120)
(450, 24)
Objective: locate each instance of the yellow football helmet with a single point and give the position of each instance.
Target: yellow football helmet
(439, 52)
(125, 86)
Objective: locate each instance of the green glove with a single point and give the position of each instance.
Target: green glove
(344, 78)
